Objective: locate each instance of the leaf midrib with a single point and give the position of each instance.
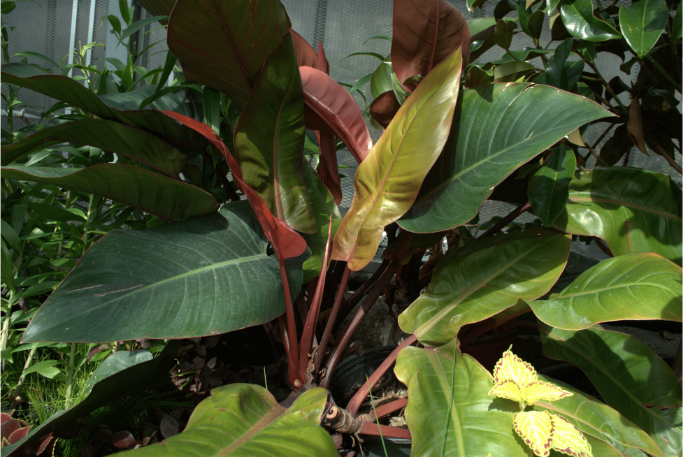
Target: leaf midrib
(474, 288)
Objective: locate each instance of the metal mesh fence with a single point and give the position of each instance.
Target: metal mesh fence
(343, 27)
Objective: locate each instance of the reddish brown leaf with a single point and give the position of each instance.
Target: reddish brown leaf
(425, 32)
(169, 426)
(224, 44)
(384, 108)
(19, 434)
(122, 440)
(328, 172)
(323, 64)
(337, 111)
(286, 242)
(306, 55)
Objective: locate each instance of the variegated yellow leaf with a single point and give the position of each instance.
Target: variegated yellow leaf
(568, 439)
(512, 368)
(541, 390)
(536, 429)
(507, 389)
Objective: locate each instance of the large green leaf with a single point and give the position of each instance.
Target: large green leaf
(592, 416)
(627, 373)
(424, 34)
(246, 420)
(580, 21)
(269, 140)
(135, 376)
(323, 206)
(387, 181)
(70, 91)
(549, 187)
(224, 44)
(204, 276)
(116, 362)
(676, 27)
(500, 127)
(629, 287)
(164, 197)
(449, 411)
(633, 210)
(484, 278)
(62, 88)
(642, 23)
(127, 141)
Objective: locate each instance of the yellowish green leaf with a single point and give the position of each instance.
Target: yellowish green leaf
(536, 429)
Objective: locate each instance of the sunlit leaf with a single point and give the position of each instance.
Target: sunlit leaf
(500, 127)
(536, 429)
(629, 287)
(246, 420)
(204, 276)
(484, 278)
(387, 181)
(633, 210)
(269, 140)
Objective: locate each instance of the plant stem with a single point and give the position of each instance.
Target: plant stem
(5, 331)
(69, 378)
(312, 319)
(320, 353)
(20, 384)
(87, 224)
(604, 83)
(361, 291)
(372, 401)
(362, 393)
(351, 327)
(603, 135)
(666, 155)
(664, 73)
(291, 327)
(500, 225)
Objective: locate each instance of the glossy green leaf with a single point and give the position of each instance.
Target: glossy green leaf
(590, 416)
(204, 276)
(642, 23)
(246, 420)
(556, 73)
(323, 206)
(580, 21)
(498, 129)
(116, 362)
(628, 287)
(627, 373)
(449, 410)
(511, 71)
(224, 45)
(129, 142)
(164, 197)
(484, 278)
(677, 27)
(633, 210)
(504, 32)
(269, 140)
(138, 377)
(387, 181)
(549, 187)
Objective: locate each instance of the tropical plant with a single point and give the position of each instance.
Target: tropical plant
(512, 133)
